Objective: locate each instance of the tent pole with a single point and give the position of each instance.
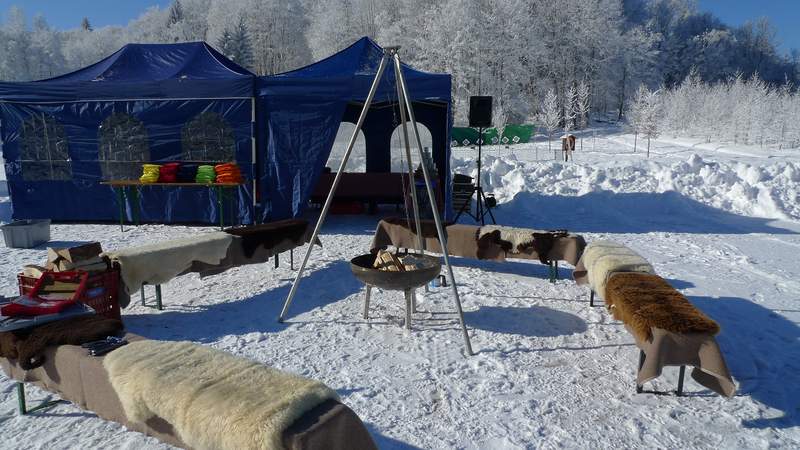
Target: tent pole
(329, 200)
(253, 162)
(432, 198)
(407, 146)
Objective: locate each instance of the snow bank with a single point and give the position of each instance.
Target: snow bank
(770, 190)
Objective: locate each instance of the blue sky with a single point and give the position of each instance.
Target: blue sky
(784, 15)
(64, 14)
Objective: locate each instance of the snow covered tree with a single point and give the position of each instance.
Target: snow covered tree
(175, 13)
(647, 106)
(237, 44)
(225, 43)
(550, 117)
(583, 104)
(85, 25)
(635, 113)
(570, 106)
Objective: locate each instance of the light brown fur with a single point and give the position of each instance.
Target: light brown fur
(644, 301)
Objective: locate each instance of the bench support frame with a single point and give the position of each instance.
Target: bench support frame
(681, 376)
(159, 305)
(23, 408)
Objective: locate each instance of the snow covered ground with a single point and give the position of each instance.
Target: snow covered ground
(721, 224)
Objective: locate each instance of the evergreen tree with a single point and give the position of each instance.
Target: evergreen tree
(225, 43)
(175, 13)
(241, 51)
(85, 25)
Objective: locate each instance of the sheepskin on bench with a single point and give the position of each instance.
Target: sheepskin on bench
(668, 330)
(602, 258)
(643, 301)
(214, 400)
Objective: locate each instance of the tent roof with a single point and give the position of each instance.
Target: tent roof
(352, 70)
(149, 62)
(184, 70)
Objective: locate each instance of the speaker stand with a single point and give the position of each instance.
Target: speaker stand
(481, 208)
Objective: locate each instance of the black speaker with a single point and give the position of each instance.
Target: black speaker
(480, 111)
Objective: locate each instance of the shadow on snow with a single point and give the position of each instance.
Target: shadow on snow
(762, 349)
(609, 212)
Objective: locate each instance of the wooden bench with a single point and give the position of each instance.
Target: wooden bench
(74, 376)
(667, 328)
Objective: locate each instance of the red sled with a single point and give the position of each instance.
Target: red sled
(33, 304)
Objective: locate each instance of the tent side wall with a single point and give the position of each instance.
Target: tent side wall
(57, 153)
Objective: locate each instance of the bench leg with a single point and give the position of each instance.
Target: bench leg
(121, 200)
(553, 270)
(408, 310)
(641, 364)
(158, 298)
(23, 409)
(414, 301)
(591, 297)
(291, 259)
(159, 305)
(366, 301)
(679, 392)
(277, 261)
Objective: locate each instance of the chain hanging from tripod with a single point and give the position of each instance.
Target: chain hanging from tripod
(406, 184)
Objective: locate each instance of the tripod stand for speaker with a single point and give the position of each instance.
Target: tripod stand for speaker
(482, 206)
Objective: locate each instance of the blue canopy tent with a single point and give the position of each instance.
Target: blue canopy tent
(303, 109)
(144, 103)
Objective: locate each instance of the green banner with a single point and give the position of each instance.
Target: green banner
(518, 134)
(513, 134)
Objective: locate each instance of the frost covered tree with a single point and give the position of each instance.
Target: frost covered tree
(175, 13)
(514, 50)
(647, 106)
(225, 43)
(85, 25)
(583, 104)
(550, 117)
(570, 108)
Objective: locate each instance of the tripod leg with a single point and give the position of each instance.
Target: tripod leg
(487, 209)
(432, 198)
(329, 199)
(464, 207)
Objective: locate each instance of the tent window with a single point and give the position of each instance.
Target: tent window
(358, 157)
(399, 151)
(208, 137)
(123, 147)
(44, 154)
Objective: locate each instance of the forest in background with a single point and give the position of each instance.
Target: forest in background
(516, 50)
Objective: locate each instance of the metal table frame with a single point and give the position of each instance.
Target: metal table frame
(133, 187)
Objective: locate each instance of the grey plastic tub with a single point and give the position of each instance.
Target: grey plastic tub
(26, 233)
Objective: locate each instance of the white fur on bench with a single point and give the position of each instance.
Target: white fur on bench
(518, 237)
(214, 400)
(604, 258)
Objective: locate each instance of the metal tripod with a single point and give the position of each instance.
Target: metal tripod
(481, 207)
(390, 56)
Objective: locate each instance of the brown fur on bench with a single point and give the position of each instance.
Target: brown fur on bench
(28, 345)
(269, 235)
(644, 301)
